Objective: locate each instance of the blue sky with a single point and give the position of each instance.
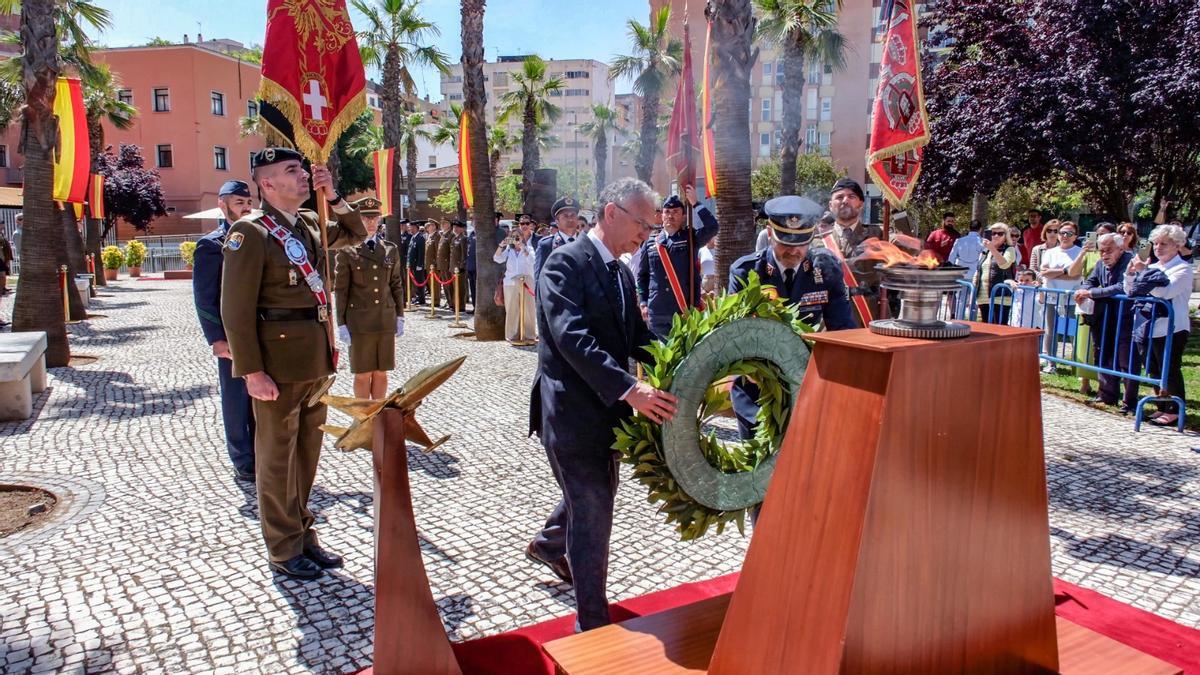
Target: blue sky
(551, 28)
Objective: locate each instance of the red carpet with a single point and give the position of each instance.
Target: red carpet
(519, 651)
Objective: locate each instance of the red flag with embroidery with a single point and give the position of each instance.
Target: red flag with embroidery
(900, 127)
(683, 138)
(312, 71)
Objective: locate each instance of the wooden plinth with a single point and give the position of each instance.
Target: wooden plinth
(905, 529)
(409, 636)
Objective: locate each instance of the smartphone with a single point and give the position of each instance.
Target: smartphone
(1144, 249)
(1091, 238)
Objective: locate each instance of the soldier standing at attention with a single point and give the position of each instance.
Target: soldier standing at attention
(369, 289)
(275, 307)
(237, 413)
(444, 270)
(566, 219)
(458, 262)
(668, 276)
(401, 245)
(432, 240)
(416, 262)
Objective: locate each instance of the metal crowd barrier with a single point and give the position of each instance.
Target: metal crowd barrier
(1109, 348)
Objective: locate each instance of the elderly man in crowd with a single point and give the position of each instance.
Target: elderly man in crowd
(1112, 320)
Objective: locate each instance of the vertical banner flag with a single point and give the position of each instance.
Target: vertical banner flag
(466, 188)
(383, 179)
(706, 125)
(900, 126)
(682, 137)
(312, 71)
(96, 196)
(73, 159)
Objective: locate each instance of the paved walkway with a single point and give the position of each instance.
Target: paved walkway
(156, 563)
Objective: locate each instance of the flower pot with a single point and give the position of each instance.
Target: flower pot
(135, 271)
(110, 274)
(188, 266)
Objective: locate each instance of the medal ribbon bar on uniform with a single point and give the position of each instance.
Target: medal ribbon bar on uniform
(860, 303)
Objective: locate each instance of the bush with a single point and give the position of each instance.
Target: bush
(112, 258)
(135, 253)
(188, 251)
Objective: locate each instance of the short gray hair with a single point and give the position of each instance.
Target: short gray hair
(1110, 238)
(1174, 232)
(621, 190)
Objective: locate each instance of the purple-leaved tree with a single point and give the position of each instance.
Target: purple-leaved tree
(131, 191)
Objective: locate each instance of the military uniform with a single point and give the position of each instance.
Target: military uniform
(458, 263)
(275, 325)
(848, 240)
(432, 242)
(369, 290)
(654, 289)
(545, 243)
(402, 246)
(444, 271)
(416, 267)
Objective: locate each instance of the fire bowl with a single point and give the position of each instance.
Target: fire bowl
(922, 293)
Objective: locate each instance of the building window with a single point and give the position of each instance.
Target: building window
(764, 145)
(766, 110)
(826, 109)
(125, 96)
(810, 135)
(578, 74)
(814, 72)
(768, 69)
(578, 92)
(825, 138)
(3, 156)
(219, 162)
(452, 79)
(165, 159)
(218, 103)
(422, 195)
(777, 139)
(433, 161)
(811, 104)
(779, 76)
(251, 109)
(162, 100)
(455, 97)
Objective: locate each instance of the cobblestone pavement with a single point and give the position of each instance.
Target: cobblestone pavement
(156, 564)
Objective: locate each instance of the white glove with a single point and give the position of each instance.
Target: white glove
(344, 334)
(399, 326)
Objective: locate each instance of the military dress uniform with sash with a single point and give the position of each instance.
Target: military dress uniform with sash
(369, 288)
(272, 289)
(663, 283)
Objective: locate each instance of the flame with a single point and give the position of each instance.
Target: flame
(928, 260)
(892, 254)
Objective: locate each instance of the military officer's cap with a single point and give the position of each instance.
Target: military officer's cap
(848, 184)
(403, 221)
(367, 206)
(794, 219)
(269, 156)
(458, 223)
(562, 204)
(234, 187)
(672, 202)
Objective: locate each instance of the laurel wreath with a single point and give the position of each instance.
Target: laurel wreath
(639, 440)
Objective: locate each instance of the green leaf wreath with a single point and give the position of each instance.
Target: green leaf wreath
(640, 442)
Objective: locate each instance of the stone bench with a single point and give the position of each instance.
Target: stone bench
(22, 372)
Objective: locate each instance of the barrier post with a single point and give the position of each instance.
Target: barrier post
(457, 323)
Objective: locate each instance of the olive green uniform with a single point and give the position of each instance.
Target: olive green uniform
(458, 265)
(369, 289)
(444, 271)
(431, 251)
(270, 317)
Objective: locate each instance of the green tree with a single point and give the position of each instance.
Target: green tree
(508, 194)
(764, 182)
(576, 184)
(499, 142)
(530, 101)
(356, 172)
(157, 41)
(655, 60)
(604, 120)
(447, 199)
(804, 29)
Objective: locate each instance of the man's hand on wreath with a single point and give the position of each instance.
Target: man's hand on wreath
(659, 406)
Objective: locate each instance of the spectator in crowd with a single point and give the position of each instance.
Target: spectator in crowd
(1049, 240)
(1190, 236)
(1084, 263)
(517, 255)
(1032, 234)
(998, 265)
(1111, 319)
(1025, 308)
(708, 267)
(968, 249)
(1168, 241)
(1014, 233)
(1055, 273)
(762, 240)
(941, 241)
(1129, 237)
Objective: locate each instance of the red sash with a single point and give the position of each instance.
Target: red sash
(672, 277)
(860, 303)
(297, 254)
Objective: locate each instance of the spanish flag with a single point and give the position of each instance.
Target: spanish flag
(383, 178)
(71, 163)
(466, 187)
(706, 120)
(96, 196)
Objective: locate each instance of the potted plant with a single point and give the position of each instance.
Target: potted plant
(135, 255)
(112, 258)
(187, 250)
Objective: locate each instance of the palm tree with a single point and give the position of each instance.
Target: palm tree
(656, 59)
(604, 119)
(395, 41)
(499, 143)
(732, 39)
(804, 29)
(489, 319)
(530, 100)
(103, 104)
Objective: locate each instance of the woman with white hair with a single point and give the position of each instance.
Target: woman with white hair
(999, 264)
(1168, 241)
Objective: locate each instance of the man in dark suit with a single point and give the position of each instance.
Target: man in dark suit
(235, 202)
(416, 262)
(591, 327)
(1112, 321)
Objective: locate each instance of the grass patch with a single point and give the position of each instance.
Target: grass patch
(1067, 385)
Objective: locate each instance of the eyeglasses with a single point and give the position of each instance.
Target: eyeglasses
(639, 221)
(997, 234)
(1066, 233)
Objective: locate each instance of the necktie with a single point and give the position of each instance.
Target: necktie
(371, 245)
(614, 275)
(789, 279)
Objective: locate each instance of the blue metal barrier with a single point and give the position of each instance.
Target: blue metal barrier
(1111, 347)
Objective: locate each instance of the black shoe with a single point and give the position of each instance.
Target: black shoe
(561, 569)
(322, 558)
(247, 476)
(1124, 409)
(298, 567)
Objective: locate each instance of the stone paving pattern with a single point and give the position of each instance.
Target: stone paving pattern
(156, 563)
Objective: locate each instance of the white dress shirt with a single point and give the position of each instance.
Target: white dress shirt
(517, 262)
(1180, 272)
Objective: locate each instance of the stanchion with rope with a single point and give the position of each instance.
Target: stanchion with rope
(411, 281)
(434, 278)
(407, 290)
(521, 340)
(457, 323)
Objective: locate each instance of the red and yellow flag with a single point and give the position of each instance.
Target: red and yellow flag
(96, 196)
(383, 178)
(466, 187)
(312, 71)
(706, 124)
(72, 162)
(900, 128)
(682, 136)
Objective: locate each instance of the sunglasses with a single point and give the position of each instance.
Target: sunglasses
(1066, 233)
(1051, 231)
(997, 234)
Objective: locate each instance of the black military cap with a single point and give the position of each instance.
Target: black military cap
(457, 223)
(269, 156)
(848, 184)
(367, 206)
(672, 202)
(403, 221)
(794, 219)
(562, 204)
(234, 187)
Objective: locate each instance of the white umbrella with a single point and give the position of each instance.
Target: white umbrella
(215, 214)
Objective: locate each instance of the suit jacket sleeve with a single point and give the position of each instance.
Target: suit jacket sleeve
(560, 295)
(397, 284)
(540, 251)
(341, 284)
(241, 277)
(348, 230)
(709, 227)
(1093, 279)
(206, 289)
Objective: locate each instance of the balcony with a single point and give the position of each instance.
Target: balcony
(14, 176)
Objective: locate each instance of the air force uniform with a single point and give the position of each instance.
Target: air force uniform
(654, 285)
(544, 246)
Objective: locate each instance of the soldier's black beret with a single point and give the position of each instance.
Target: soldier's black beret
(793, 219)
(848, 184)
(269, 156)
